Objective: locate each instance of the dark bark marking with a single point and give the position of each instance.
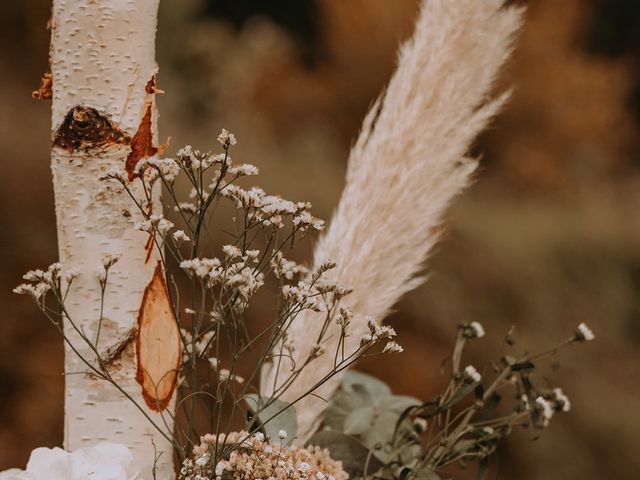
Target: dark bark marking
(84, 128)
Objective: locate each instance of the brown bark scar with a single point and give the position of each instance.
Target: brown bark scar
(158, 344)
(84, 128)
(141, 144)
(114, 353)
(44, 90)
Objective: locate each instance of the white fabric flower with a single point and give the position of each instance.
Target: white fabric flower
(105, 461)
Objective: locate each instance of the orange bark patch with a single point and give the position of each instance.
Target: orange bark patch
(158, 346)
(152, 88)
(141, 144)
(44, 91)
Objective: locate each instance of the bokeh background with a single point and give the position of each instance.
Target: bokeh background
(549, 235)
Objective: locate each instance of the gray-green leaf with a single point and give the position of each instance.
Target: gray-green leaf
(354, 455)
(284, 419)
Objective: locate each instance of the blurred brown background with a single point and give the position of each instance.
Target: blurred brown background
(549, 235)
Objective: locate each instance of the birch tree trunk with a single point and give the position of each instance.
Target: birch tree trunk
(104, 118)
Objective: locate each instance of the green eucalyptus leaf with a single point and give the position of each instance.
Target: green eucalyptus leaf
(264, 409)
(398, 403)
(354, 455)
(374, 385)
(359, 421)
(344, 403)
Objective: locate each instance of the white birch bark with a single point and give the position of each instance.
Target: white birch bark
(103, 56)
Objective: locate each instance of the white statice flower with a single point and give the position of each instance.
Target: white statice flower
(231, 251)
(251, 255)
(180, 236)
(561, 400)
(244, 170)
(286, 269)
(105, 461)
(186, 153)
(584, 333)
(472, 374)
(70, 274)
(282, 434)
(162, 224)
(392, 347)
(202, 460)
(478, 328)
(376, 333)
(305, 220)
(343, 319)
(244, 280)
(168, 167)
(221, 159)
(204, 268)
(144, 226)
(226, 375)
(226, 138)
(544, 409)
(108, 260)
(154, 223)
(36, 291)
(186, 207)
(472, 330)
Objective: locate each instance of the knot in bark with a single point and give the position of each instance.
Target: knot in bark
(84, 128)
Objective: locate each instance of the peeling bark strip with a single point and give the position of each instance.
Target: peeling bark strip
(44, 91)
(152, 87)
(141, 144)
(84, 128)
(157, 344)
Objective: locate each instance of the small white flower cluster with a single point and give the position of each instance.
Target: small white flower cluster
(584, 333)
(243, 170)
(155, 223)
(42, 281)
(270, 210)
(470, 373)
(545, 405)
(543, 410)
(109, 260)
(561, 400)
(225, 375)
(198, 348)
(235, 273)
(287, 269)
(153, 168)
(378, 333)
(472, 330)
(254, 457)
(314, 293)
(207, 269)
(179, 236)
(344, 317)
(226, 138)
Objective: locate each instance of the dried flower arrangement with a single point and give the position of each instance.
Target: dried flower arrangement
(305, 415)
